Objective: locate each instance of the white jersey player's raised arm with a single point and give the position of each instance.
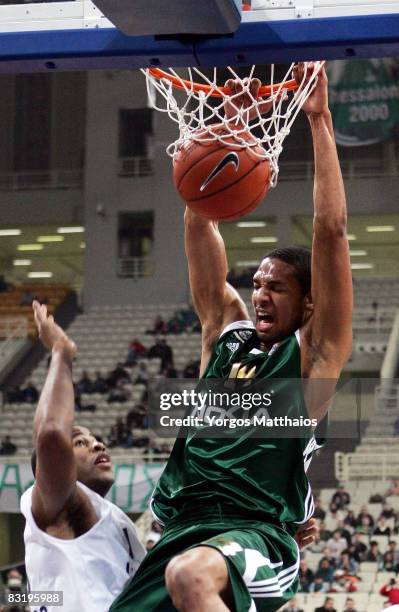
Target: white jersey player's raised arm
(76, 542)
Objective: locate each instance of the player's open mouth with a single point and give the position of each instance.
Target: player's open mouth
(264, 321)
(103, 459)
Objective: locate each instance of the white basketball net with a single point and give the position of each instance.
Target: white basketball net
(195, 111)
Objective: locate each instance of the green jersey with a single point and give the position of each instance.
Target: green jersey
(262, 475)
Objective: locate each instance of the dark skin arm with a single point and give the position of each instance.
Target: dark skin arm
(326, 339)
(216, 302)
(53, 421)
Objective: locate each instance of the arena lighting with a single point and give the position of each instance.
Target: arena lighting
(351, 237)
(22, 262)
(40, 274)
(10, 232)
(359, 253)
(246, 264)
(261, 239)
(251, 224)
(50, 238)
(380, 228)
(82, 245)
(30, 247)
(71, 230)
(362, 266)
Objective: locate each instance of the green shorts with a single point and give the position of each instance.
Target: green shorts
(262, 561)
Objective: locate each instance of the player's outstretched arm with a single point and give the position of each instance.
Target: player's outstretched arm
(328, 336)
(53, 422)
(217, 303)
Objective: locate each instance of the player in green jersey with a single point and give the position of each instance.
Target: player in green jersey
(231, 505)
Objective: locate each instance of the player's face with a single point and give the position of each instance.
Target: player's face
(93, 462)
(278, 301)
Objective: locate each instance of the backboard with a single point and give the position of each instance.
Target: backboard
(75, 35)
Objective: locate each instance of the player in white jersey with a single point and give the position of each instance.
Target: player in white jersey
(76, 541)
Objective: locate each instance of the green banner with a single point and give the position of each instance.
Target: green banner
(132, 489)
(364, 101)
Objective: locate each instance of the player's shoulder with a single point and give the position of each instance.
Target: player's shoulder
(25, 503)
(242, 331)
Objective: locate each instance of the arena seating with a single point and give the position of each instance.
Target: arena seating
(10, 301)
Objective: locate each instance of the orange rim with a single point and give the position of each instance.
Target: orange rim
(246, 6)
(219, 92)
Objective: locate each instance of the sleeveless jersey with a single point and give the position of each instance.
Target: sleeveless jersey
(256, 474)
(90, 570)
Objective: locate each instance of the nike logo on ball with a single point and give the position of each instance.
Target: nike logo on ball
(230, 158)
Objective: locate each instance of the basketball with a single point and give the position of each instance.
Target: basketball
(221, 181)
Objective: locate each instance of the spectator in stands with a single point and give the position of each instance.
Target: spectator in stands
(347, 565)
(319, 586)
(162, 351)
(30, 393)
(7, 447)
(15, 395)
(337, 544)
(100, 384)
(319, 512)
(135, 418)
(4, 286)
(396, 427)
(359, 547)
(27, 299)
(391, 590)
(142, 376)
(365, 527)
(119, 393)
(349, 605)
(344, 532)
(393, 489)
(328, 606)
(343, 583)
(118, 433)
(135, 351)
(325, 534)
(318, 545)
(388, 512)
(84, 384)
(374, 555)
(169, 371)
(341, 498)
(119, 373)
(14, 583)
(192, 370)
(350, 519)
(306, 577)
(292, 606)
(183, 320)
(325, 571)
(159, 327)
(364, 513)
(389, 564)
(335, 512)
(392, 549)
(382, 528)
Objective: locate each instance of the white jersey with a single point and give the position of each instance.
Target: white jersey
(90, 570)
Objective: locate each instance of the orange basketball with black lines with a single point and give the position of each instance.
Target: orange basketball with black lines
(221, 181)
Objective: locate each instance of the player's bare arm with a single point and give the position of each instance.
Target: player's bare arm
(327, 337)
(216, 302)
(53, 423)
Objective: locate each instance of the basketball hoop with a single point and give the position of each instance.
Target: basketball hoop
(196, 103)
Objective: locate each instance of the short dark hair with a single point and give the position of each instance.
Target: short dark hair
(301, 260)
(33, 461)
